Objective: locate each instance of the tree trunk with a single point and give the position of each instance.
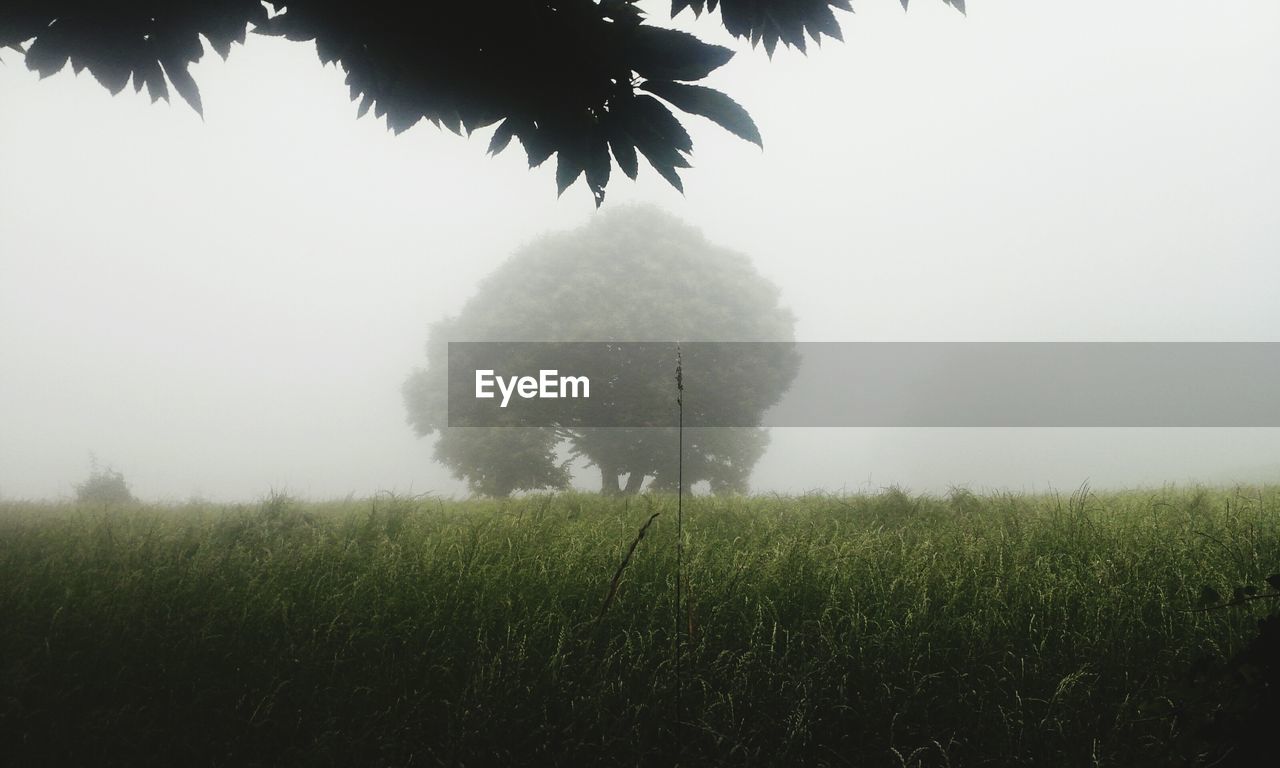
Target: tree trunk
(634, 481)
(608, 480)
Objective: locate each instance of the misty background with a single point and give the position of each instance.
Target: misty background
(222, 307)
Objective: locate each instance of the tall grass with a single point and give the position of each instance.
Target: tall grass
(821, 630)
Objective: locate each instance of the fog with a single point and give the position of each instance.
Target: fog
(222, 307)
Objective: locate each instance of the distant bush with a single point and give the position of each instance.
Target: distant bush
(104, 486)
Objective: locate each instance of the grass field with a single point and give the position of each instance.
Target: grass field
(862, 630)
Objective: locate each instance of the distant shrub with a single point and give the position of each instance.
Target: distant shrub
(104, 486)
(964, 501)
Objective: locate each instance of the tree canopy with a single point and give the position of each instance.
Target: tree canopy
(632, 274)
(590, 81)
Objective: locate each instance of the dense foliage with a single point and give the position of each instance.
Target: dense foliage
(632, 274)
(883, 629)
(104, 486)
(574, 78)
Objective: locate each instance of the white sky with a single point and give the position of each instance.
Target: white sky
(217, 308)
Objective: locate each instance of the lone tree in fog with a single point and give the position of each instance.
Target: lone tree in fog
(573, 78)
(632, 274)
(103, 486)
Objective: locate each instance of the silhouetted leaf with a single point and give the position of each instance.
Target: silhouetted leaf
(536, 145)
(1209, 596)
(502, 136)
(624, 151)
(112, 77)
(709, 103)
(1274, 581)
(662, 156)
(823, 21)
(365, 103)
(184, 85)
(791, 30)
(655, 115)
(740, 17)
(668, 54)
(568, 168)
(47, 54)
(400, 121)
(597, 167)
(184, 47)
(472, 122)
(156, 88)
(452, 121)
(769, 22)
(326, 50)
(220, 44)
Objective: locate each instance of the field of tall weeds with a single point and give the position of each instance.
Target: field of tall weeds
(841, 630)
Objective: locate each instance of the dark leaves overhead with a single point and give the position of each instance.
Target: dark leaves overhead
(665, 54)
(559, 75)
(117, 41)
(770, 21)
(709, 103)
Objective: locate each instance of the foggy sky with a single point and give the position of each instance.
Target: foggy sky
(221, 307)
